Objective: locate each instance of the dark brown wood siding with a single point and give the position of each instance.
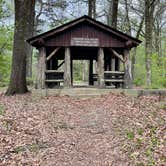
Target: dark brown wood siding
(81, 30)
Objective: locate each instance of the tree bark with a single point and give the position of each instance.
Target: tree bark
(113, 13)
(23, 8)
(92, 14)
(128, 26)
(149, 10)
(29, 33)
(92, 8)
(135, 48)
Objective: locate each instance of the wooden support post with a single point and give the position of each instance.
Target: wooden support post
(106, 60)
(117, 64)
(91, 72)
(101, 81)
(71, 67)
(113, 63)
(51, 64)
(55, 67)
(127, 70)
(54, 63)
(67, 68)
(95, 66)
(41, 67)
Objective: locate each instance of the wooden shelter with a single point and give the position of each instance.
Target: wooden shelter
(84, 39)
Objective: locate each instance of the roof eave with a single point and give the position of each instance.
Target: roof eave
(61, 28)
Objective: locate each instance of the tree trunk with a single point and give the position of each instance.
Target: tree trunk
(92, 14)
(92, 8)
(113, 13)
(18, 74)
(149, 10)
(29, 62)
(29, 33)
(128, 25)
(133, 59)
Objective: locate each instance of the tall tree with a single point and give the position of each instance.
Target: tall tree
(128, 24)
(149, 10)
(133, 59)
(30, 32)
(113, 13)
(24, 20)
(159, 23)
(92, 8)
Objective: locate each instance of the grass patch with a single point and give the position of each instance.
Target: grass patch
(63, 125)
(138, 143)
(19, 149)
(140, 164)
(140, 131)
(2, 110)
(31, 147)
(130, 135)
(163, 107)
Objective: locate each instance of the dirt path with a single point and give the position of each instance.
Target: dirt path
(109, 130)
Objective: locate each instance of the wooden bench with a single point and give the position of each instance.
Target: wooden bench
(112, 77)
(58, 80)
(54, 77)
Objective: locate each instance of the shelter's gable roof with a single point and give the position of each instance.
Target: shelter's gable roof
(84, 18)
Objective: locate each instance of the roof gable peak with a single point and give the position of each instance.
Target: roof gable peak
(79, 20)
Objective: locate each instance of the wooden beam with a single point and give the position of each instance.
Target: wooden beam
(53, 71)
(127, 70)
(60, 64)
(57, 80)
(113, 63)
(117, 55)
(114, 72)
(67, 68)
(54, 63)
(71, 68)
(100, 66)
(53, 53)
(41, 67)
(117, 64)
(114, 80)
(91, 72)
